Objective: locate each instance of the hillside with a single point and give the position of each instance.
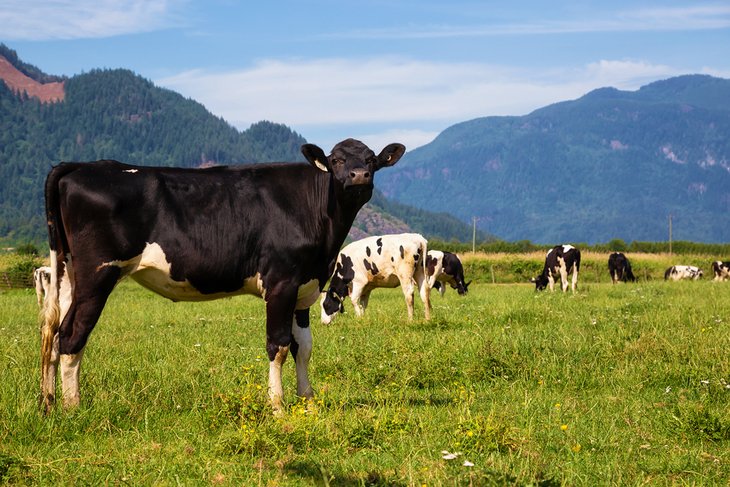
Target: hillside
(611, 164)
(116, 114)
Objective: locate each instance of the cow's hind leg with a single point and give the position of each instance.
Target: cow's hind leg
(408, 291)
(301, 349)
(280, 305)
(89, 297)
(574, 281)
(55, 308)
(424, 290)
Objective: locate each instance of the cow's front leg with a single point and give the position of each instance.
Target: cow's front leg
(355, 297)
(301, 349)
(280, 303)
(563, 277)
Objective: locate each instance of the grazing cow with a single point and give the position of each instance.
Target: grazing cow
(445, 268)
(721, 270)
(270, 230)
(385, 261)
(42, 281)
(679, 272)
(561, 259)
(620, 268)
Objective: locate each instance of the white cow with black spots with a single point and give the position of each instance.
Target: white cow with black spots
(679, 272)
(721, 270)
(560, 260)
(382, 261)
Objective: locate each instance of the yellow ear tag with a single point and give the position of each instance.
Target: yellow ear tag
(320, 165)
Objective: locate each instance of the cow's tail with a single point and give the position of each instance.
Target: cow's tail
(50, 314)
(668, 273)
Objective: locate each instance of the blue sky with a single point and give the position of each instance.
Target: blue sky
(380, 71)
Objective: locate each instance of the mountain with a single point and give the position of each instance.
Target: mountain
(116, 114)
(610, 165)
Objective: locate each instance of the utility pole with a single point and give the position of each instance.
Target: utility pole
(474, 235)
(670, 234)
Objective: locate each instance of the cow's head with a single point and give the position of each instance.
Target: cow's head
(462, 287)
(333, 299)
(540, 281)
(352, 164)
(455, 270)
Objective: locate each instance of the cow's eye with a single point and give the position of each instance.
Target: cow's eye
(337, 161)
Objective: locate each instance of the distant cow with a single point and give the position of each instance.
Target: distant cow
(560, 260)
(679, 272)
(445, 268)
(721, 270)
(620, 268)
(271, 230)
(42, 281)
(386, 261)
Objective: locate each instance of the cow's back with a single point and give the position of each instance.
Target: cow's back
(214, 228)
(380, 259)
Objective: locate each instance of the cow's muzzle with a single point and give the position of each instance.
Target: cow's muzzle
(361, 177)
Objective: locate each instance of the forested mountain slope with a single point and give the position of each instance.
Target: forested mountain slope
(117, 114)
(612, 164)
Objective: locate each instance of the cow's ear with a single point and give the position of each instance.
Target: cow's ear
(316, 157)
(390, 155)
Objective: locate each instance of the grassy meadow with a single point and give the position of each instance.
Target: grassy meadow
(615, 385)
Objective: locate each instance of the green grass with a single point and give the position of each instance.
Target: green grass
(621, 385)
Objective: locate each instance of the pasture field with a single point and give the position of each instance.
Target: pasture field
(615, 385)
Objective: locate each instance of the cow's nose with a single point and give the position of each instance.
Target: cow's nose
(360, 176)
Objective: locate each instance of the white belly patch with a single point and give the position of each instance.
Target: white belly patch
(152, 270)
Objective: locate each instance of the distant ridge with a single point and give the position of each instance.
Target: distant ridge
(119, 115)
(610, 165)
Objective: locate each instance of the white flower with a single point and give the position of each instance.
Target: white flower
(666, 391)
(467, 463)
(705, 382)
(449, 456)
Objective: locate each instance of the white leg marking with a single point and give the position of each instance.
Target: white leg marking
(276, 391)
(408, 291)
(303, 337)
(355, 294)
(563, 275)
(574, 283)
(70, 369)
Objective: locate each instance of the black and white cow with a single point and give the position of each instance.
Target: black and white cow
(679, 272)
(620, 268)
(381, 261)
(560, 260)
(721, 270)
(270, 230)
(42, 281)
(446, 268)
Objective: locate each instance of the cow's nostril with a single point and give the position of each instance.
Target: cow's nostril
(353, 174)
(366, 175)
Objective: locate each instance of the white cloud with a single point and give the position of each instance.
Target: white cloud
(698, 17)
(322, 92)
(79, 19)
